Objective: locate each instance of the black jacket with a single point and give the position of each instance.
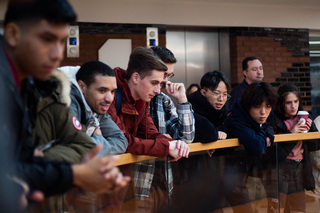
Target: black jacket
(251, 135)
(236, 92)
(15, 132)
(207, 118)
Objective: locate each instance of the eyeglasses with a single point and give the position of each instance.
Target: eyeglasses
(168, 75)
(220, 95)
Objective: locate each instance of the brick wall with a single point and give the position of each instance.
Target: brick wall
(94, 35)
(284, 54)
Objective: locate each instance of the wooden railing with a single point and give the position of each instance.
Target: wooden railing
(196, 147)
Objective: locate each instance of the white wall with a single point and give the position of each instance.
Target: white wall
(260, 13)
(295, 14)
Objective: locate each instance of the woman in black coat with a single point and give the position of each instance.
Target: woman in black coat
(295, 170)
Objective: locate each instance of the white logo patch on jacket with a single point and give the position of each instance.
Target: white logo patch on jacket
(76, 123)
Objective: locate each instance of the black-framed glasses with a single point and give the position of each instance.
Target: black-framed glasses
(219, 95)
(168, 75)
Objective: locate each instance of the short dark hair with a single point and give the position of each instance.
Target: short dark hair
(55, 11)
(144, 61)
(256, 93)
(246, 60)
(89, 70)
(211, 80)
(283, 91)
(164, 54)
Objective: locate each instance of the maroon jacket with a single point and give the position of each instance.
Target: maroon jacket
(135, 122)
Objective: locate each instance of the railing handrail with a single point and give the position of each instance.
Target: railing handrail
(128, 158)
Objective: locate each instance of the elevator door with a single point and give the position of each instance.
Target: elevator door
(196, 50)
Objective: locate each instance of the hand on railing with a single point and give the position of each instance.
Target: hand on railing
(178, 149)
(222, 135)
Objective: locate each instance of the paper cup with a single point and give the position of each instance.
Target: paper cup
(303, 114)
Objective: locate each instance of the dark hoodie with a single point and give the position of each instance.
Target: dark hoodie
(207, 118)
(251, 135)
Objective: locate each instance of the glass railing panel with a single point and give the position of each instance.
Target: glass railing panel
(145, 193)
(231, 180)
(227, 181)
(298, 190)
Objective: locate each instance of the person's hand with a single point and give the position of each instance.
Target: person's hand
(309, 123)
(99, 175)
(268, 142)
(210, 152)
(97, 131)
(178, 149)
(299, 127)
(38, 153)
(221, 135)
(35, 196)
(178, 91)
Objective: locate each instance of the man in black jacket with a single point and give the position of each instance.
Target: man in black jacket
(35, 32)
(252, 72)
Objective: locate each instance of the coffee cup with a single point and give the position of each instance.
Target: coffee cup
(304, 115)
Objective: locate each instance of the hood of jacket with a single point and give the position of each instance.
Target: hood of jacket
(55, 89)
(239, 114)
(202, 106)
(125, 90)
(70, 72)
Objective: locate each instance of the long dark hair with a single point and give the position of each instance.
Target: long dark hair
(283, 92)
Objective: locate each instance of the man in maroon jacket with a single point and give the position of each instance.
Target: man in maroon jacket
(138, 84)
(136, 87)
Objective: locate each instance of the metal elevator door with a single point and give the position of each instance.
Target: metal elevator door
(196, 50)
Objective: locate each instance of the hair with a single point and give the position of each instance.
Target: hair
(246, 60)
(144, 61)
(54, 11)
(190, 87)
(164, 54)
(283, 92)
(211, 80)
(89, 70)
(256, 93)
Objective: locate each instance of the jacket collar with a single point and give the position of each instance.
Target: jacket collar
(202, 106)
(55, 89)
(126, 92)
(238, 112)
(70, 72)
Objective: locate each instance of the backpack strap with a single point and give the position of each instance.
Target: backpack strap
(118, 100)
